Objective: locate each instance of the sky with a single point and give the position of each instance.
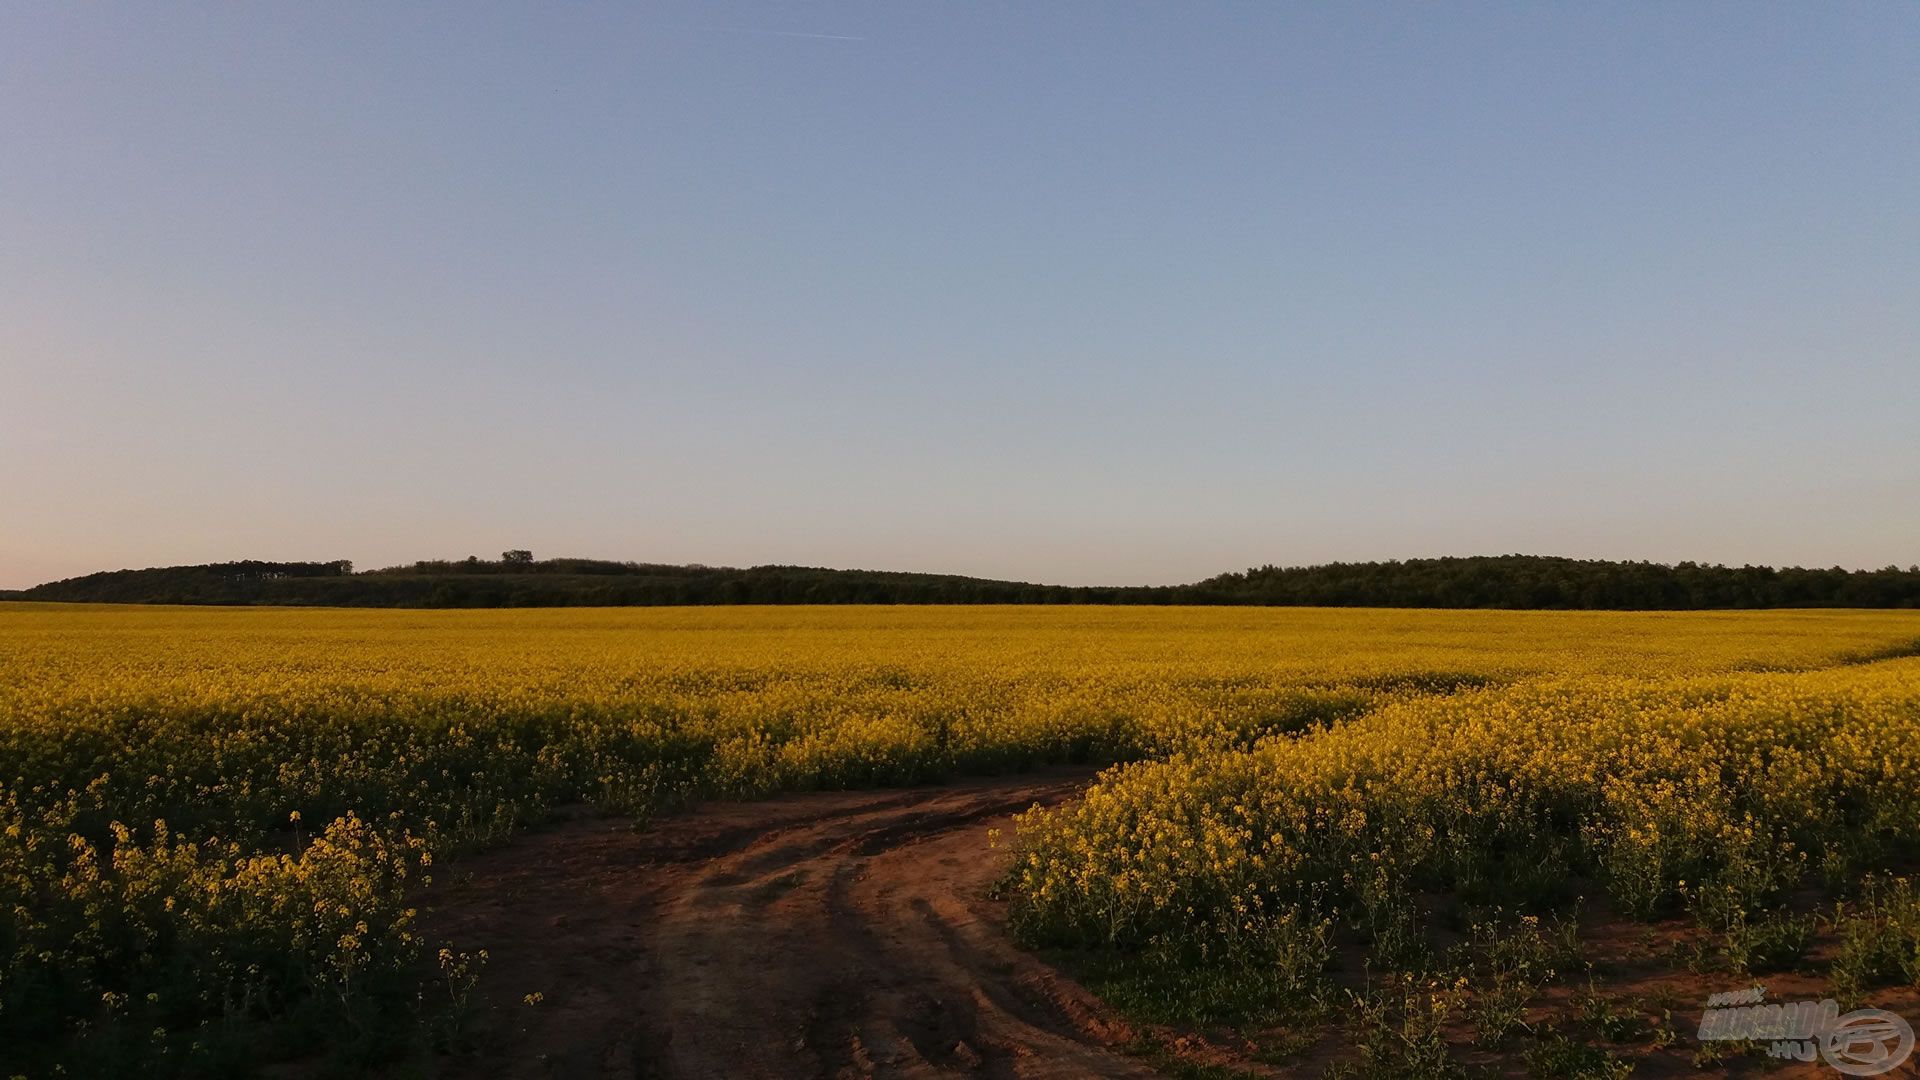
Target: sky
(1097, 292)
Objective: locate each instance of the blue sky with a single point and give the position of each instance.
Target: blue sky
(1075, 292)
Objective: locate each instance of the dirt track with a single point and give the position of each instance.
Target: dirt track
(819, 935)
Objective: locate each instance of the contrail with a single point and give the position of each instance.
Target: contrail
(798, 34)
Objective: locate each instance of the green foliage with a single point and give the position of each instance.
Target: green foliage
(516, 579)
(1269, 968)
(1562, 1058)
(1532, 581)
(1879, 937)
(1507, 962)
(1401, 1027)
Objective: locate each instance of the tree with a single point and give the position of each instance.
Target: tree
(517, 557)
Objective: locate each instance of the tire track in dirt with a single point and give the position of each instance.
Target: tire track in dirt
(841, 934)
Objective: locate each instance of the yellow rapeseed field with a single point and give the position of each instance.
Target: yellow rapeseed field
(218, 815)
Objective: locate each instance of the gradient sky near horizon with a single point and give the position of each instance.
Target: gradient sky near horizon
(1072, 292)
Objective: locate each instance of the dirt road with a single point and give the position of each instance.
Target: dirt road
(819, 935)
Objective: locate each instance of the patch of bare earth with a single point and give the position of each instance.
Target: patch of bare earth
(832, 934)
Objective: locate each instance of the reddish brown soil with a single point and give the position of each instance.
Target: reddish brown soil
(827, 934)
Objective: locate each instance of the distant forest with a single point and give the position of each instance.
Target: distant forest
(518, 580)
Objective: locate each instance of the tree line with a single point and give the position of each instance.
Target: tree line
(518, 580)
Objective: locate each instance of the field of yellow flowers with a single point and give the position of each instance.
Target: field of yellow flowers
(212, 820)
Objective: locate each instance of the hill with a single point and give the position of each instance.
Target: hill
(523, 582)
(518, 580)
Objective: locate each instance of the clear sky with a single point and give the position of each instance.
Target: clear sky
(1074, 292)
